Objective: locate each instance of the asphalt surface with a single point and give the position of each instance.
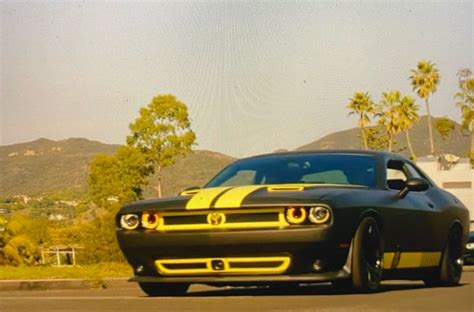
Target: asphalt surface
(395, 296)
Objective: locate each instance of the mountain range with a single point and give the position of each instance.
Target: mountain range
(458, 143)
(44, 165)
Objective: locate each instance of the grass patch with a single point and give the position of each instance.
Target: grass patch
(94, 272)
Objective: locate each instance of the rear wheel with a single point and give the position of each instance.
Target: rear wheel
(450, 270)
(164, 289)
(367, 257)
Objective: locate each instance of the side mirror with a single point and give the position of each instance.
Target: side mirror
(414, 185)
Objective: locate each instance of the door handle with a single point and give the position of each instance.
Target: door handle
(430, 204)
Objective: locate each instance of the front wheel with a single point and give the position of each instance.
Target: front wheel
(367, 257)
(164, 289)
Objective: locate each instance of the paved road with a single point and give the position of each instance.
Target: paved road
(395, 296)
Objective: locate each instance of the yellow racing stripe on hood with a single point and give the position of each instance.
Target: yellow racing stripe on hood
(203, 198)
(234, 197)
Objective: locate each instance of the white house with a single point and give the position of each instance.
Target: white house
(453, 174)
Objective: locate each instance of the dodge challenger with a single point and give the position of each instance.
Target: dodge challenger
(353, 218)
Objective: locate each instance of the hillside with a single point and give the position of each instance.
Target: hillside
(458, 144)
(45, 165)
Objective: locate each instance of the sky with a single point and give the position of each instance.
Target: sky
(256, 77)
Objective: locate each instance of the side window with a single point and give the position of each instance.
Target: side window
(412, 171)
(396, 175)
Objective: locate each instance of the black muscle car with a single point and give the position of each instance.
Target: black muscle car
(349, 217)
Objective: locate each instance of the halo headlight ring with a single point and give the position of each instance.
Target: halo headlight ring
(129, 221)
(150, 220)
(319, 214)
(296, 215)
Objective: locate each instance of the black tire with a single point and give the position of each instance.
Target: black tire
(450, 269)
(367, 257)
(164, 289)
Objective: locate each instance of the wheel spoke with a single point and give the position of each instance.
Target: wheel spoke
(373, 272)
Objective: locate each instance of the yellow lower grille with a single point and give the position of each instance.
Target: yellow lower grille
(223, 266)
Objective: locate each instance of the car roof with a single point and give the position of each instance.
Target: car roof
(378, 154)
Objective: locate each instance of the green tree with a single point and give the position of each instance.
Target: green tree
(119, 176)
(444, 126)
(408, 114)
(96, 238)
(388, 113)
(425, 80)
(361, 104)
(465, 102)
(162, 132)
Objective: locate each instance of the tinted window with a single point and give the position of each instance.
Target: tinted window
(320, 168)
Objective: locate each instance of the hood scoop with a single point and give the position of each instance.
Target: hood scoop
(285, 188)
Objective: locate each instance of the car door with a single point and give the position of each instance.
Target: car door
(410, 217)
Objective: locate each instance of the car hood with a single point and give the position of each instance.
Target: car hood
(245, 196)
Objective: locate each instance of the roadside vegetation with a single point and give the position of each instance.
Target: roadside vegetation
(158, 137)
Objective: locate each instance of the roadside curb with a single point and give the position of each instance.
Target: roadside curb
(61, 284)
(116, 282)
(48, 284)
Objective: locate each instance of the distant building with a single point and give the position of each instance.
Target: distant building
(453, 174)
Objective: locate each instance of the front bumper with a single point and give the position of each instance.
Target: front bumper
(247, 279)
(303, 245)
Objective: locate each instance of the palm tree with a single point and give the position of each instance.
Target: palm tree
(361, 104)
(389, 115)
(407, 114)
(465, 97)
(425, 80)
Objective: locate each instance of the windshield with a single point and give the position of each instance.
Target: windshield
(319, 168)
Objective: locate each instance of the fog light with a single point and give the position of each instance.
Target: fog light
(129, 221)
(296, 215)
(150, 220)
(319, 214)
(217, 265)
(139, 269)
(318, 265)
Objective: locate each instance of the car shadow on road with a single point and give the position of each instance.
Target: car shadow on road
(304, 290)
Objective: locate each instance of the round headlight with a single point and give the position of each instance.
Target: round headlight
(129, 221)
(319, 214)
(470, 246)
(150, 220)
(295, 215)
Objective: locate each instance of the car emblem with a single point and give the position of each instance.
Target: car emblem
(215, 218)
